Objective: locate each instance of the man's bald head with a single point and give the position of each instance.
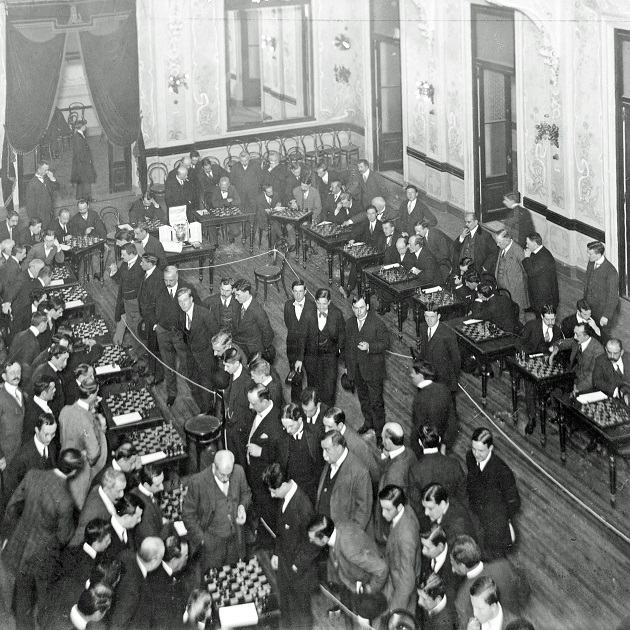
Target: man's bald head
(223, 465)
(182, 172)
(151, 552)
(393, 436)
(379, 204)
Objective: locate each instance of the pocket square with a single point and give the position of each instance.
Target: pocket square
(264, 436)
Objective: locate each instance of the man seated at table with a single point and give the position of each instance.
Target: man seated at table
(611, 372)
(269, 198)
(146, 208)
(496, 308)
(224, 196)
(86, 222)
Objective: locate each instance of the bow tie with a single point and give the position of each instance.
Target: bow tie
(323, 315)
(300, 304)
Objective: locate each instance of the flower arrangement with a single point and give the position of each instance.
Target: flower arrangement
(176, 81)
(545, 131)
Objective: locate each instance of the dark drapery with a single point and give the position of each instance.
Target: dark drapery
(7, 175)
(34, 57)
(110, 55)
(141, 158)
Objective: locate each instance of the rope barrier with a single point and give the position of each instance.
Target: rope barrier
(232, 262)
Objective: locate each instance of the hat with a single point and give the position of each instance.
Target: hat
(294, 377)
(142, 331)
(347, 383)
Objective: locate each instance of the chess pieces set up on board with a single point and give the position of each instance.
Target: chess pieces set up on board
(483, 331)
(394, 274)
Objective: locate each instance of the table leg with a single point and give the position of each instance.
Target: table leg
(342, 270)
(201, 259)
(86, 269)
(304, 248)
(419, 319)
(298, 236)
(514, 389)
(359, 279)
(612, 468)
(329, 258)
(269, 234)
(399, 311)
(243, 232)
(102, 253)
(542, 405)
(484, 383)
(562, 426)
(304, 257)
(252, 231)
(367, 293)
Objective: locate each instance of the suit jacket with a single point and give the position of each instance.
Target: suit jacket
(361, 233)
(297, 329)
(129, 280)
(82, 167)
(403, 553)
(441, 247)
(206, 183)
(268, 436)
(38, 520)
(370, 188)
(542, 280)
(424, 260)
(176, 194)
(601, 289)
(370, 364)
(334, 333)
(262, 205)
(312, 203)
(203, 510)
(445, 470)
(233, 199)
(40, 199)
(277, 177)
(214, 305)
(446, 619)
(433, 405)
(420, 212)
(533, 339)
(483, 251)
(351, 495)
(367, 454)
(15, 235)
(199, 337)
(151, 523)
(25, 237)
(510, 274)
(606, 378)
(247, 181)
(582, 362)
(443, 352)
(156, 248)
(92, 508)
(57, 228)
(78, 225)
(59, 400)
(455, 522)
(167, 310)
(494, 498)
(355, 558)
(24, 349)
(12, 278)
(170, 594)
(336, 216)
(253, 330)
(500, 310)
(151, 290)
(138, 213)
(38, 250)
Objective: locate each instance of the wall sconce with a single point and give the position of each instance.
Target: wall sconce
(424, 88)
(267, 41)
(342, 42)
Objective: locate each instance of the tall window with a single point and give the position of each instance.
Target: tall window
(269, 62)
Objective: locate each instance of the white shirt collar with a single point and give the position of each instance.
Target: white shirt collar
(11, 389)
(440, 559)
(496, 623)
(267, 380)
(42, 404)
(247, 302)
(39, 446)
(189, 312)
(77, 619)
(335, 467)
(430, 451)
(439, 608)
(584, 344)
(289, 495)
(475, 571)
(424, 383)
(34, 330)
(619, 364)
(484, 463)
(313, 419)
(167, 568)
(107, 501)
(89, 550)
(397, 517)
(145, 491)
(144, 241)
(600, 262)
(537, 249)
(396, 452)
(143, 569)
(150, 271)
(507, 249)
(265, 412)
(118, 528)
(84, 404)
(434, 328)
(239, 371)
(333, 538)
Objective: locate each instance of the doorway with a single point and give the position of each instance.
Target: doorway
(494, 82)
(387, 85)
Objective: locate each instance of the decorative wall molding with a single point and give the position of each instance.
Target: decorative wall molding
(564, 222)
(443, 167)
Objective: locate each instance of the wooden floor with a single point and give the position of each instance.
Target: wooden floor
(577, 566)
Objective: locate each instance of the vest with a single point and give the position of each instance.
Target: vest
(324, 343)
(226, 316)
(222, 526)
(300, 463)
(323, 505)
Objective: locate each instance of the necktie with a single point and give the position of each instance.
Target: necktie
(226, 487)
(371, 228)
(124, 536)
(502, 253)
(360, 323)
(242, 312)
(224, 303)
(429, 334)
(188, 322)
(617, 370)
(45, 453)
(389, 241)
(548, 335)
(18, 397)
(172, 292)
(297, 436)
(409, 206)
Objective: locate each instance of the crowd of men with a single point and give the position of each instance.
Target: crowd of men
(390, 526)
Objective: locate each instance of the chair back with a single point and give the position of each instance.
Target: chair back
(157, 173)
(344, 138)
(275, 144)
(111, 220)
(76, 111)
(293, 149)
(235, 147)
(255, 149)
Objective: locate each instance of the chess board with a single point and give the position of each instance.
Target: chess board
(483, 331)
(359, 251)
(90, 328)
(153, 225)
(129, 401)
(77, 243)
(332, 229)
(539, 366)
(61, 273)
(439, 298)
(242, 583)
(113, 359)
(394, 275)
(162, 438)
(71, 295)
(171, 502)
(289, 213)
(219, 213)
(606, 413)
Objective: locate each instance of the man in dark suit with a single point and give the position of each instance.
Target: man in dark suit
(152, 523)
(299, 451)
(437, 344)
(31, 234)
(207, 180)
(86, 222)
(314, 410)
(25, 346)
(60, 225)
(31, 293)
(497, 308)
(135, 605)
(611, 372)
(225, 195)
(601, 287)
(367, 340)
(265, 435)
(9, 227)
(583, 313)
(58, 356)
(403, 551)
(432, 406)
(542, 280)
(474, 242)
(492, 493)
(341, 205)
(451, 516)
(247, 178)
(329, 192)
(11, 275)
(198, 329)
(297, 172)
(297, 313)
(40, 194)
(179, 191)
(263, 373)
(294, 556)
(223, 306)
(151, 290)
(421, 263)
(39, 452)
(83, 172)
(148, 244)
(169, 336)
(253, 331)
(437, 611)
(432, 465)
(370, 185)
(391, 236)
(275, 173)
(436, 560)
(345, 489)
(584, 351)
(146, 208)
(354, 564)
(413, 210)
(268, 199)
(438, 244)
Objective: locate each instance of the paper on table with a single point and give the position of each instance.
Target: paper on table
(432, 290)
(180, 528)
(359, 243)
(64, 247)
(107, 369)
(238, 616)
(125, 226)
(152, 457)
(591, 397)
(126, 418)
(392, 266)
(325, 223)
(74, 303)
(472, 321)
(55, 283)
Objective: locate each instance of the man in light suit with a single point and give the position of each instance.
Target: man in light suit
(438, 244)
(584, 351)
(474, 242)
(601, 288)
(253, 331)
(403, 551)
(611, 373)
(308, 199)
(354, 563)
(367, 340)
(40, 194)
(49, 250)
(509, 271)
(345, 491)
(413, 210)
